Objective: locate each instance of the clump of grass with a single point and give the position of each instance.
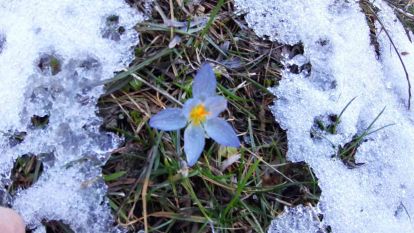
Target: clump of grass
(39, 121)
(228, 190)
(49, 64)
(328, 123)
(56, 226)
(405, 12)
(348, 151)
(27, 169)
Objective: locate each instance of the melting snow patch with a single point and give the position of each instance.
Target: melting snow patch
(299, 219)
(52, 55)
(376, 193)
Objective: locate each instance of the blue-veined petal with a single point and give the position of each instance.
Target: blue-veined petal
(189, 105)
(215, 105)
(194, 141)
(168, 119)
(222, 132)
(205, 83)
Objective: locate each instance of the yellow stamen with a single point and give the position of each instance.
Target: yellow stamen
(198, 114)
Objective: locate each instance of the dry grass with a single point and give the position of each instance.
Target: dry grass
(148, 186)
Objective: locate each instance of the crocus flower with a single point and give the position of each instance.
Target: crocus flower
(200, 115)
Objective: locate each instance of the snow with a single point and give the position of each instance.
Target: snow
(391, 64)
(299, 219)
(52, 55)
(377, 196)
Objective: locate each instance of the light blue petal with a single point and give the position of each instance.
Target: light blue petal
(189, 105)
(222, 132)
(205, 83)
(168, 119)
(215, 105)
(194, 141)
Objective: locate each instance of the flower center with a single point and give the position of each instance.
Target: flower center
(198, 114)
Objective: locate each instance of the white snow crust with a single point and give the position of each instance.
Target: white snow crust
(379, 195)
(52, 55)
